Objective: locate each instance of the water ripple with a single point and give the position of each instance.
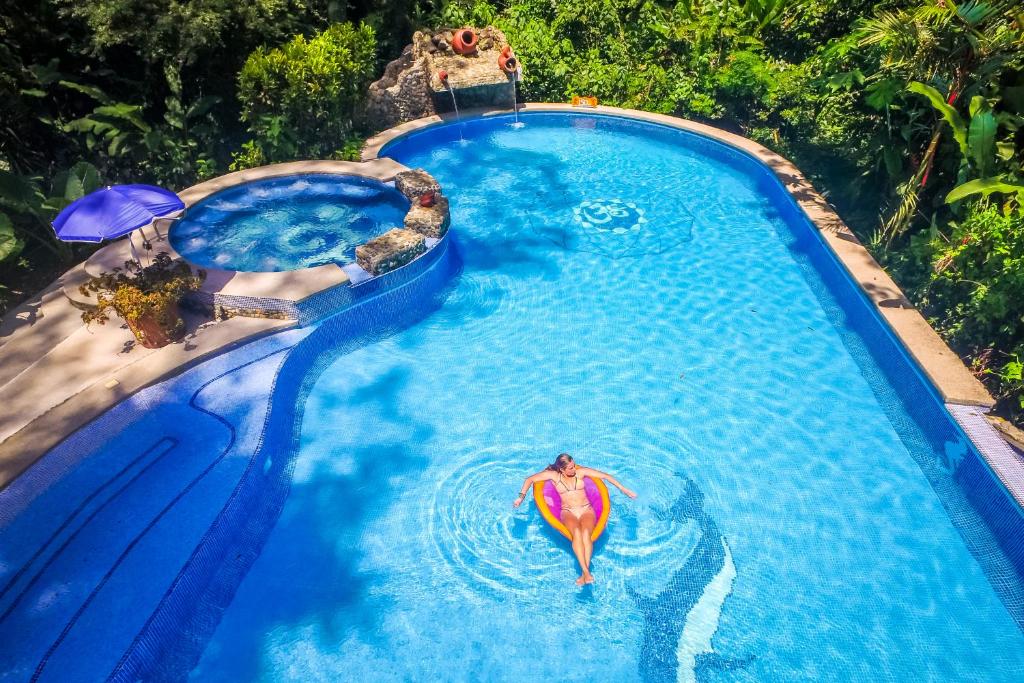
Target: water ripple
(489, 547)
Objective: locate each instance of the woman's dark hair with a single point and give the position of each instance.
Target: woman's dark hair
(560, 462)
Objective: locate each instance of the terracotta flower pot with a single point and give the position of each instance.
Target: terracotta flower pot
(464, 41)
(508, 64)
(152, 335)
(428, 199)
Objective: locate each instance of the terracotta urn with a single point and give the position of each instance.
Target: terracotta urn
(152, 335)
(464, 41)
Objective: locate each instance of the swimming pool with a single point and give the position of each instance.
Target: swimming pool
(646, 299)
(287, 223)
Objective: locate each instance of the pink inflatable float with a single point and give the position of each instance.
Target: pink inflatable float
(549, 502)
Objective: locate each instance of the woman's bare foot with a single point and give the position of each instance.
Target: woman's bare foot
(582, 580)
(589, 578)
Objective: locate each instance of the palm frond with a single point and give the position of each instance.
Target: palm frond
(976, 12)
(904, 213)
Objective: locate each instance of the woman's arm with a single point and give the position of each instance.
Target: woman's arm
(543, 475)
(598, 474)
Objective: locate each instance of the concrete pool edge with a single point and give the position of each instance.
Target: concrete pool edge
(67, 400)
(939, 365)
(284, 286)
(944, 369)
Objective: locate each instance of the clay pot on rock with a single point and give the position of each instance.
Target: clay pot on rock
(428, 199)
(464, 41)
(507, 62)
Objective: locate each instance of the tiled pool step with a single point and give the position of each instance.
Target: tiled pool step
(1004, 460)
(70, 574)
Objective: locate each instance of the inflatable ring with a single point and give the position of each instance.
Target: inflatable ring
(464, 41)
(548, 500)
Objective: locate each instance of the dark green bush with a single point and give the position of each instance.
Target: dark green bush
(301, 98)
(976, 294)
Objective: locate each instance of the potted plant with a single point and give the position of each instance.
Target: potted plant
(146, 297)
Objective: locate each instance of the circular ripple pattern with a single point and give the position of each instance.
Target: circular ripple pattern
(487, 546)
(490, 547)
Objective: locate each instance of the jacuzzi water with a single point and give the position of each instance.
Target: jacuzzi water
(640, 297)
(287, 223)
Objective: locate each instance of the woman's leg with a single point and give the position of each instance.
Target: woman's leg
(573, 525)
(587, 523)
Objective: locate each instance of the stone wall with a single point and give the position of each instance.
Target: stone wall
(402, 93)
(392, 250)
(410, 87)
(429, 221)
(399, 246)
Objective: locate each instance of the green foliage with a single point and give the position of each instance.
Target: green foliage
(765, 12)
(352, 150)
(28, 211)
(984, 187)
(137, 293)
(303, 95)
(250, 156)
(1011, 381)
(10, 244)
(949, 114)
(976, 289)
(167, 35)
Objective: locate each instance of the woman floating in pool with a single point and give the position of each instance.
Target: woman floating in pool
(577, 513)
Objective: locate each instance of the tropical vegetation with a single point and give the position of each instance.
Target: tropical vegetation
(907, 114)
(146, 297)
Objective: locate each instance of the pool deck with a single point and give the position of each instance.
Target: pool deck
(57, 374)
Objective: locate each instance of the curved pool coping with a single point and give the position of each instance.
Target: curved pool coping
(61, 406)
(947, 373)
(965, 398)
(286, 285)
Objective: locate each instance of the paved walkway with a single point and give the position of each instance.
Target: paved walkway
(57, 374)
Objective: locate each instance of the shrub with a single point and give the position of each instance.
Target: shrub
(301, 98)
(146, 297)
(975, 295)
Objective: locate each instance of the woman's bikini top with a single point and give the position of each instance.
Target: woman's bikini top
(575, 483)
(585, 503)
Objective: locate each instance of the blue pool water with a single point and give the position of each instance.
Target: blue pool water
(287, 223)
(335, 503)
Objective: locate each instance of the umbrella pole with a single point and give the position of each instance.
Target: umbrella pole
(135, 254)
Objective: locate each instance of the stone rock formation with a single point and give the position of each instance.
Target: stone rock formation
(410, 87)
(392, 250)
(401, 94)
(415, 183)
(429, 221)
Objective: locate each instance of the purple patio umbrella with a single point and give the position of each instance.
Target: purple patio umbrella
(114, 211)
